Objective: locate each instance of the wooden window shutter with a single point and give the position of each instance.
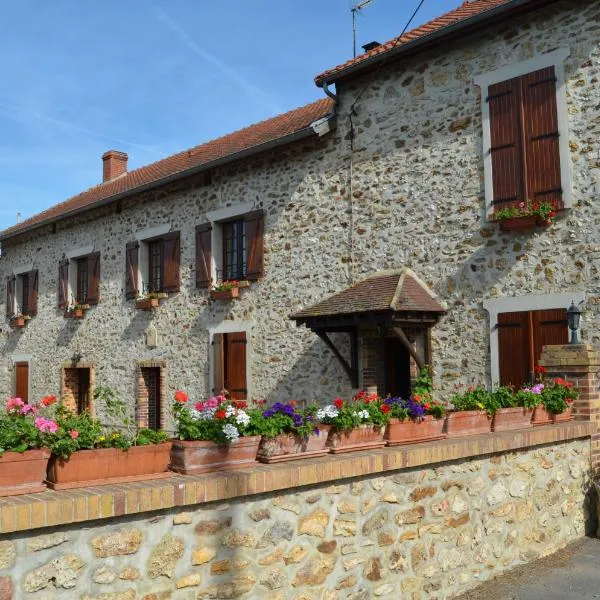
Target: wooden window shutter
(550, 328)
(203, 255)
(171, 261)
(93, 274)
(63, 284)
(506, 143)
(541, 137)
(514, 348)
(132, 257)
(218, 363)
(255, 224)
(33, 292)
(235, 365)
(10, 296)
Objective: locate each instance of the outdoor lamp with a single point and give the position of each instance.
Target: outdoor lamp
(573, 318)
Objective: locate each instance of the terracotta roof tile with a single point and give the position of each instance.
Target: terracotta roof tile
(399, 291)
(467, 10)
(228, 145)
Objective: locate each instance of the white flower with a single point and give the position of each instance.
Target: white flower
(230, 411)
(329, 412)
(231, 432)
(242, 418)
(363, 414)
(202, 415)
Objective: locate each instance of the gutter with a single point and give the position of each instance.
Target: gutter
(301, 134)
(481, 19)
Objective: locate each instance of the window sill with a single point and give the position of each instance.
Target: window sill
(19, 322)
(521, 223)
(77, 313)
(152, 302)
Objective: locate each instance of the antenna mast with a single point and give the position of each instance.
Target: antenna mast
(355, 10)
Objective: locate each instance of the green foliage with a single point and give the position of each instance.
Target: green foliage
(558, 396)
(363, 409)
(472, 399)
(18, 433)
(284, 418)
(545, 211)
(527, 399)
(423, 385)
(150, 437)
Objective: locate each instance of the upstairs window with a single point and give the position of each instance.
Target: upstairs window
(234, 250)
(81, 294)
(155, 266)
(79, 281)
(22, 294)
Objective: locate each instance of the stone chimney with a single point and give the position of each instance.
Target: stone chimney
(114, 163)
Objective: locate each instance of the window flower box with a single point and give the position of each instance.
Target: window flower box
(77, 311)
(414, 431)
(522, 223)
(363, 437)
(289, 446)
(150, 301)
(563, 417)
(225, 294)
(102, 466)
(19, 321)
(193, 457)
(527, 216)
(541, 416)
(507, 419)
(468, 422)
(23, 472)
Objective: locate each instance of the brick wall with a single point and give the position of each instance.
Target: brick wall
(151, 394)
(69, 385)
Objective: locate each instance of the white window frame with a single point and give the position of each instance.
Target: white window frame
(230, 327)
(496, 306)
(554, 59)
(216, 218)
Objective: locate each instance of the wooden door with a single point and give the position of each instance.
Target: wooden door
(397, 369)
(235, 365)
(22, 381)
(83, 390)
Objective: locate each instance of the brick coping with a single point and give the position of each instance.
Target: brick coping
(50, 508)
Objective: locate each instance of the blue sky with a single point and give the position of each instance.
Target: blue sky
(155, 77)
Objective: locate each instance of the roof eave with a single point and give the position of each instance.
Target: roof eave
(475, 21)
(276, 143)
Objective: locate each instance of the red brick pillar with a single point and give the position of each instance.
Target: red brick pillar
(579, 363)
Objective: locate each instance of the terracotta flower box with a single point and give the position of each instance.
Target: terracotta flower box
(77, 313)
(507, 419)
(468, 422)
(541, 416)
(86, 468)
(412, 432)
(522, 223)
(18, 322)
(23, 472)
(191, 458)
(147, 303)
(225, 294)
(287, 446)
(563, 417)
(363, 437)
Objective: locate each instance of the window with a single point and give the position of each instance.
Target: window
(525, 128)
(79, 280)
(238, 248)
(22, 294)
(152, 265)
(82, 281)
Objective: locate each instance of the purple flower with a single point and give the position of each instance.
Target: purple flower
(297, 420)
(288, 409)
(268, 413)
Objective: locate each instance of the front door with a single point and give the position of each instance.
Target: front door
(229, 362)
(397, 369)
(22, 381)
(521, 339)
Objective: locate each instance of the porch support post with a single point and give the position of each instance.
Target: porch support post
(351, 369)
(399, 333)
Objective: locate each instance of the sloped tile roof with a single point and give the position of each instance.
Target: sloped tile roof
(464, 12)
(223, 147)
(398, 291)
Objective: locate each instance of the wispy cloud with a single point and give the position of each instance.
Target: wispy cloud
(18, 113)
(257, 94)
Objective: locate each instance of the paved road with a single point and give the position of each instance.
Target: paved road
(571, 574)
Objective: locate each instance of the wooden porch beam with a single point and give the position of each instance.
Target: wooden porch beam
(351, 370)
(399, 333)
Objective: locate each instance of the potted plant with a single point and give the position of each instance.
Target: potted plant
(415, 420)
(227, 290)
(76, 311)
(356, 425)
(558, 398)
(150, 300)
(214, 435)
(23, 458)
(509, 410)
(526, 216)
(86, 453)
(19, 321)
(469, 415)
(289, 433)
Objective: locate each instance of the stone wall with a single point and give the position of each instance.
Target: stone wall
(416, 199)
(430, 532)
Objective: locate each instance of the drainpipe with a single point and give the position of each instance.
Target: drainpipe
(329, 92)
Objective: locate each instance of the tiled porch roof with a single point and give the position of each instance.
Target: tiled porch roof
(398, 291)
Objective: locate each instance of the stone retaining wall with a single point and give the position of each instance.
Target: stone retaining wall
(425, 532)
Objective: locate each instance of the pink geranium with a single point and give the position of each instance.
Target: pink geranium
(46, 425)
(74, 434)
(14, 404)
(27, 409)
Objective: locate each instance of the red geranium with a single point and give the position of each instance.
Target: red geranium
(48, 400)
(417, 398)
(220, 414)
(539, 369)
(384, 408)
(240, 404)
(338, 402)
(181, 397)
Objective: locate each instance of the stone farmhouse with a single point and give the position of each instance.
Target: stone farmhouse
(363, 225)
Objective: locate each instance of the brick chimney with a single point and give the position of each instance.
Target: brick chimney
(114, 164)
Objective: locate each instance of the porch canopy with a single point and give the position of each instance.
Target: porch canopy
(389, 302)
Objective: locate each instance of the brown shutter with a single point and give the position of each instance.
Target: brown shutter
(513, 346)
(22, 381)
(63, 284)
(541, 143)
(10, 296)
(203, 255)
(550, 329)
(132, 254)
(93, 274)
(218, 363)
(255, 224)
(33, 292)
(235, 365)
(171, 261)
(506, 149)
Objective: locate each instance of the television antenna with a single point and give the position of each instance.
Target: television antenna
(355, 10)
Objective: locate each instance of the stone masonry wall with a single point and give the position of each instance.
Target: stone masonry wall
(416, 199)
(427, 533)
